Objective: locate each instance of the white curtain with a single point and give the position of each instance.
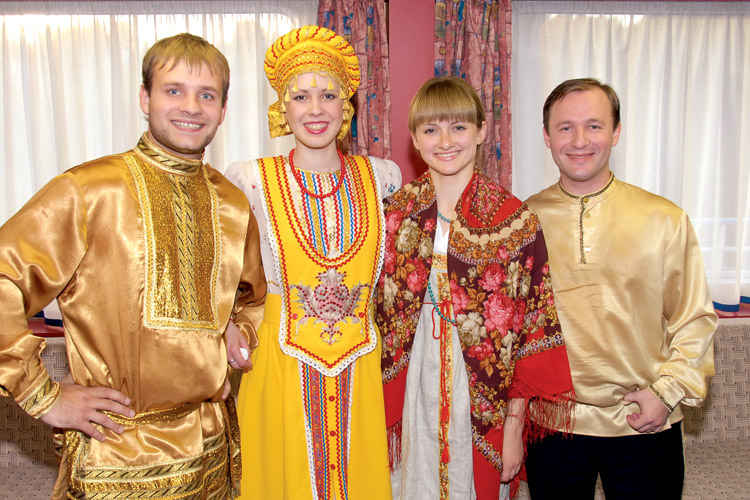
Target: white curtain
(682, 71)
(71, 72)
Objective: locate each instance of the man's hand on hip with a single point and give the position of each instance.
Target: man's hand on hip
(79, 408)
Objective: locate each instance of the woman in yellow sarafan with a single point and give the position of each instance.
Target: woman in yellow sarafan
(311, 411)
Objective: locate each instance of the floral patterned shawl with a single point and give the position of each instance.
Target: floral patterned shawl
(503, 305)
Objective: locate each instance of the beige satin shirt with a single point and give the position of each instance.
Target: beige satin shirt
(632, 298)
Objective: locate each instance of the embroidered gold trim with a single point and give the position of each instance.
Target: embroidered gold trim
(185, 226)
(181, 269)
(197, 477)
(155, 416)
(41, 400)
(661, 398)
(446, 385)
(584, 200)
(157, 157)
(440, 261)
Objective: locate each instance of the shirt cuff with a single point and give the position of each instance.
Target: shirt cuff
(667, 391)
(41, 400)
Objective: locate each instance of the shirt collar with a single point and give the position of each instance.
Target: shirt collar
(592, 197)
(159, 158)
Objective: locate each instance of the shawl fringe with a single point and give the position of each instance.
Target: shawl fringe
(549, 414)
(394, 446)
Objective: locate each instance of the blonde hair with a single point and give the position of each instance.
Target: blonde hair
(447, 98)
(188, 48)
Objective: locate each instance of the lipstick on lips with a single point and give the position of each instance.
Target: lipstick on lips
(316, 127)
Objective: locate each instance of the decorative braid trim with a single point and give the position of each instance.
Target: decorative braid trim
(488, 451)
(41, 400)
(539, 345)
(155, 416)
(584, 199)
(196, 477)
(157, 157)
(661, 398)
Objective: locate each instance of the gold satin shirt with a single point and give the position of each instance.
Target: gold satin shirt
(146, 253)
(632, 298)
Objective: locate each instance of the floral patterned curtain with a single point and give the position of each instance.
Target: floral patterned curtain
(472, 41)
(363, 24)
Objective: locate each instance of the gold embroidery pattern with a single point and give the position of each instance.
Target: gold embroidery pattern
(446, 377)
(42, 399)
(232, 430)
(201, 477)
(661, 398)
(155, 416)
(584, 200)
(182, 252)
(185, 225)
(162, 160)
(440, 262)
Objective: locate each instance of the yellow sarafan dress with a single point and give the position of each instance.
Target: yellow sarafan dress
(311, 410)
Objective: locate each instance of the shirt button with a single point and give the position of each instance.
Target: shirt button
(332, 433)
(333, 466)
(331, 398)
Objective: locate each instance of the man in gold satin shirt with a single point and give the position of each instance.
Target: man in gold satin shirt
(149, 253)
(634, 307)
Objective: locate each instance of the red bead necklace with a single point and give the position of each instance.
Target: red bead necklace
(298, 177)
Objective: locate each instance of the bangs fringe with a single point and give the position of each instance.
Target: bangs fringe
(444, 101)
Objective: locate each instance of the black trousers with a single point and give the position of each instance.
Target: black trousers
(642, 467)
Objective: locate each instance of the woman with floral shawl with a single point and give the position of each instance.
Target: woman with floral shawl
(473, 359)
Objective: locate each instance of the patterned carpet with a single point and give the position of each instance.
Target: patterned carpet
(717, 438)
(713, 471)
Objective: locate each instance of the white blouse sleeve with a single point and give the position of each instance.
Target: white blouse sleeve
(245, 175)
(389, 175)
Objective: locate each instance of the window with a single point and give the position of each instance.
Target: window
(71, 72)
(682, 71)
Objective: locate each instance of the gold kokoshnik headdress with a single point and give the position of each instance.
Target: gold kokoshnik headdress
(310, 49)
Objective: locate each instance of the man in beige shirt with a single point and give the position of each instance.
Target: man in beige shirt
(633, 303)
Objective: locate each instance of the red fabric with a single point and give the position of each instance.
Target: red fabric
(545, 380)
(394, 393)
(486, 478)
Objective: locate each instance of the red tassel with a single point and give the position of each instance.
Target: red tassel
(446, 456)
(445, 413)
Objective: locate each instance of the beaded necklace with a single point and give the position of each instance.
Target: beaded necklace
(355, 205)
(443, 217)
(320, 196)
(435, 306)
